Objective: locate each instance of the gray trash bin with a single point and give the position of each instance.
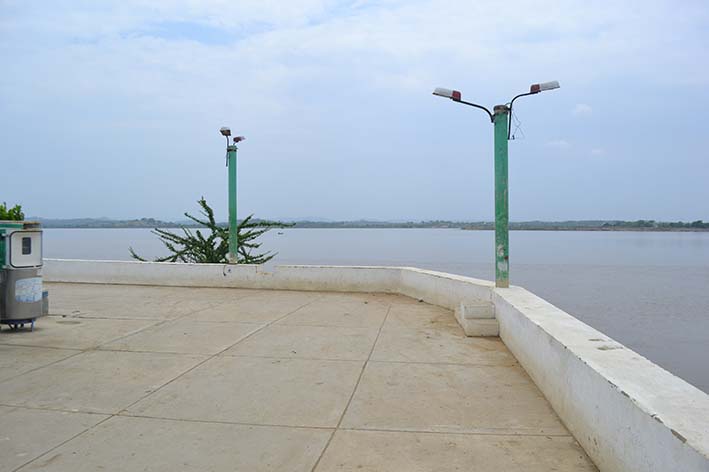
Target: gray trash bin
(21, 297)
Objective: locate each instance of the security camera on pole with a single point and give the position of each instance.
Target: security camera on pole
(500, 117)
(231, 165)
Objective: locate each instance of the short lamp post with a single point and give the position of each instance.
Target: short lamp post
(500, 117)
(231, 166)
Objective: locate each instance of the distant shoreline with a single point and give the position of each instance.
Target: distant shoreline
(635, 230)
(581, 225)
(595, 230)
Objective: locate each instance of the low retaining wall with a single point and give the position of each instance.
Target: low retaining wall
(626, 412)
(326, 278)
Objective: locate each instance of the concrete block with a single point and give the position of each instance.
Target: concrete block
(480, 327)
(475, 310)
(477, 319)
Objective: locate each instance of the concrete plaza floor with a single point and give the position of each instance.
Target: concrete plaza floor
(123, 378)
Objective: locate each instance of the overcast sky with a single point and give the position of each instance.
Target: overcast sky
(112, 108)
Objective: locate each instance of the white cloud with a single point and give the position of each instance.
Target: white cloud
(309, 70)
(582, 109)
(418, 37)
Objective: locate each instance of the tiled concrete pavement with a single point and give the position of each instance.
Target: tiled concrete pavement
(165, 379)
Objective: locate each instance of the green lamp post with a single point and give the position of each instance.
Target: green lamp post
(500, 118)
(231, 166)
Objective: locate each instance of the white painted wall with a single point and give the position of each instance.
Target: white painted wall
(627, 413)
(327, 278)
(439, 288)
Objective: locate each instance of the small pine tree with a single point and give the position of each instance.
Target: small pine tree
(193, 246)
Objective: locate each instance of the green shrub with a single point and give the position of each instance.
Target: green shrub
(12, 214)
(193, 246)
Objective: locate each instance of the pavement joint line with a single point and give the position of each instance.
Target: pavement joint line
(143, 351)
(376, 361)
(515, 363)
(229, 321)
(59, 410)
(61, 444)
(207, 359)
(154, 325)
(320, 325)
(112, 318)
(173, 304)
(155, 322)
(159, 320)
(93, 348)
(239, 423)
(112, 415)
(260, 323)
(41, 347)
(76, 353)
(504, 432)
(354, 391)
(89, 349)
(105, 347)
(96, 347)
(292, 358)
(481, 432)
(154, 286)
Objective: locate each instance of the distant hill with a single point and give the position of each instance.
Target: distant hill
(571, 225)
(104, 223)
(603, 225)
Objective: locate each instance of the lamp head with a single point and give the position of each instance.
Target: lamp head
(536, 88)
(225, 131)
(447, 93)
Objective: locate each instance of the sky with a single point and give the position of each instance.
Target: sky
(112, 108)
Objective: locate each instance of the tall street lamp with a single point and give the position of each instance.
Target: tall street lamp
(231, 165)
(500, 117)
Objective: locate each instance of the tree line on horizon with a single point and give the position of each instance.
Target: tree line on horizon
(479, 225)
(698, 224)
